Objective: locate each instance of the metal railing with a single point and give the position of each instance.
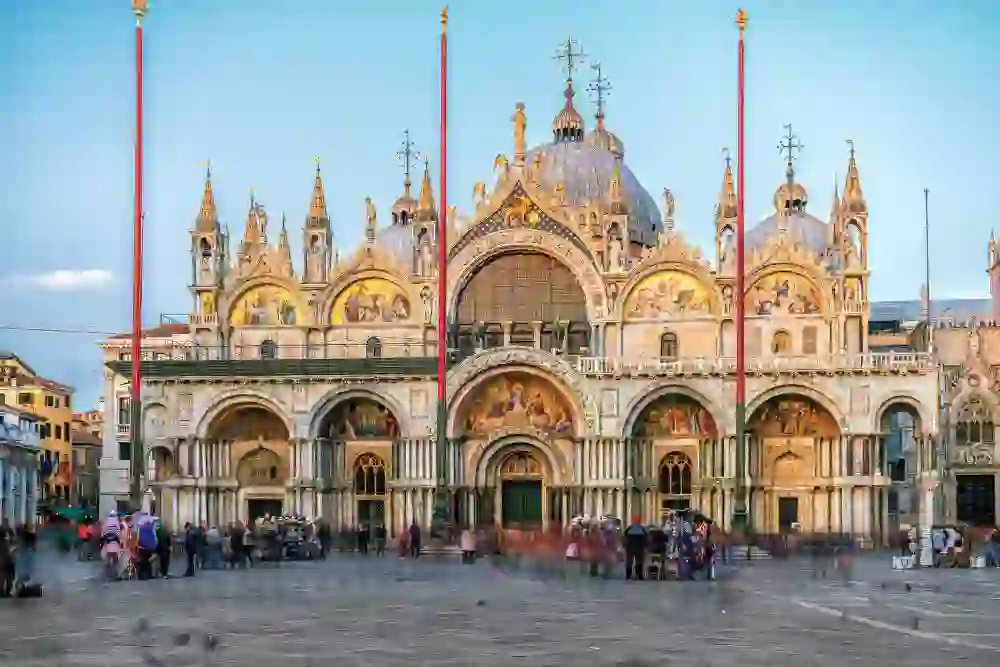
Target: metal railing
(373, 347)
(875, 361)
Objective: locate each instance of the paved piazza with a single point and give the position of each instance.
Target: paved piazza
(350, 611)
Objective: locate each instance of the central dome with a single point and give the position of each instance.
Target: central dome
(585, 171)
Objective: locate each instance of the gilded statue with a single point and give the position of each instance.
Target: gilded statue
(370, 215)
(500, 164)
(520, 123)
(479, 193)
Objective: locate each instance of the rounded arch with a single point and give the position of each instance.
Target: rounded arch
(370, 296)
(161, 464)
(260, 467)
(785, 288)
(691, 277)
(239, 309)
(899, 402)
(329, 403)
(640, 405)
(232, 401)
(518, 396)
(791, 410)
(465, 264)
(488, 460)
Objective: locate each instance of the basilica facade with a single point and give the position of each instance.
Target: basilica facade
(591, 359)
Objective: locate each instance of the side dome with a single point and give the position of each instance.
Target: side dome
(585, 169)
(396, 241)
(790, 200)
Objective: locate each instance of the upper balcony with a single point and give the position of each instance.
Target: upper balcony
(17, 436)
(873, 362)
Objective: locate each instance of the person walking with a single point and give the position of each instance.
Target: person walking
(192, 542)
(363, 540)
(380, 538)
(163, 546)
(6, 561)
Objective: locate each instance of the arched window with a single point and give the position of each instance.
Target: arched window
(781, 343)
(668, 346)
(373, 348)
(975, 424)
(268, 350)
(675, 481)
(206, 248)
(369, 476)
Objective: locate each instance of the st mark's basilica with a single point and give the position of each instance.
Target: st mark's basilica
(592, 359)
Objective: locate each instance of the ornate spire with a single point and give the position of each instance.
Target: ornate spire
(406, 157)
(599, 87)
(208, 216)
(854, 199)
(568, 125)
(252, 228)
(835, 203)
(317, 205)
(425, 205)
(727, 205)
(284, 247)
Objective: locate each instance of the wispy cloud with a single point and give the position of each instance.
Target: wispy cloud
(62, 280)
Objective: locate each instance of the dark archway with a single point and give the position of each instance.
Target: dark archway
(522, 288)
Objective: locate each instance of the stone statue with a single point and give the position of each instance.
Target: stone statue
(425, 263)
(615, 258)
(453, 336)
(479, 335)
(560, 335)
(668, 204)
(479, 194)
(371, 216)
(427, 299)
(520, 123)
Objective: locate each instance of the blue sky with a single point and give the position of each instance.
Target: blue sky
(262, 88)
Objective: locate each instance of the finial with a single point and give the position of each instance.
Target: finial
(139, 8)
(566, 52)
(599, 87)
(317, 161)
(728, 157)
(789, 145)
(406, 156)
(444, 18)
(850, 147)
(520, 124)
(741, 19)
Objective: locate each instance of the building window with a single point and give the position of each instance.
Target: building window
(55, 401)
(668, 346)
(975, 424)
(66, 432)
(25, 398)
(373, 348)
(67, 403)
(124, 403)
(675, 482)
(58, 432)
(268, 350)
(125, 451)
(781, 343)
(49, 401)
(809, 345)
(369, 476)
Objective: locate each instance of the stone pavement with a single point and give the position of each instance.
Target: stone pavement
(355, 611)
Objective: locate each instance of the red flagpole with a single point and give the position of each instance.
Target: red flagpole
(442, 300)
(135, 409)
(741, 510)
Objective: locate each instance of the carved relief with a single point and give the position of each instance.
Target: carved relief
(260, 467)
(796, 416)
(518, 399)
(370, 300)
(267, 305)
(674, 415)
(668, 295)
(361, 418)
(784, 293)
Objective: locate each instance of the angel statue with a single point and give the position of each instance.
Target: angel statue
(668, 204)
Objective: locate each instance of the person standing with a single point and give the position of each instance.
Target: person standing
(323, 535)
(636, 539)
(192, 541)
(363, 540)
(238, 556)
(163, 546)
(414, 535)
(6, 561)
(380, 537)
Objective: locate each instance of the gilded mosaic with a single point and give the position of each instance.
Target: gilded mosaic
(783, 293)
(668, 295)
(370, 300)
(266, 306)
(674, 415)
(518, 399)
(793, 416)
(363, 418)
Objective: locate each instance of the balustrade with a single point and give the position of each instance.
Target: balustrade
(895, 362)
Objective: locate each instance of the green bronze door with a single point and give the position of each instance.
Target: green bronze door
(371, 513)
(521, 503)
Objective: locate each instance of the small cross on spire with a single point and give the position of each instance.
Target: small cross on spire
(728, 157)
(599, 87)
(406, 157)
(790, 145)
(850, 147)
(566, 52)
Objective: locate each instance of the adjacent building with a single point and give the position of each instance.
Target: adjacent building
(51, 402)
(591, 359)
(19, 465)
(86, 434)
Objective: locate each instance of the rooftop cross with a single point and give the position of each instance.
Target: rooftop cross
(789, 145)
(728, 157)
(600, 87)
(571, 57)
(406, 157)
(850, 145)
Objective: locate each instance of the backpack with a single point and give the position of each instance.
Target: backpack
(147, 536)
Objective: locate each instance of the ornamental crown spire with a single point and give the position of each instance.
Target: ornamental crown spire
(208, 215)
(425, 204)
(317, 205)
